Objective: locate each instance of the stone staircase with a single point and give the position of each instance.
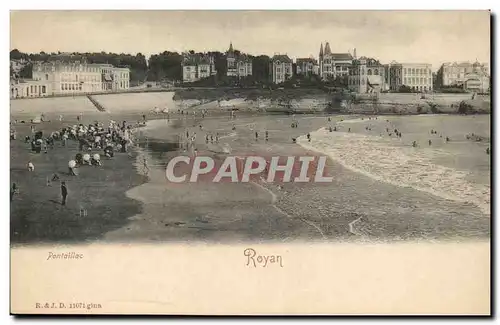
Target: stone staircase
(99, 107)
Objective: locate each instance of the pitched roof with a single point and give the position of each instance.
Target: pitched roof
(306, 60)
(341, 56)
(282, 58)
(321, 50)
(327, 49)
(196, 59)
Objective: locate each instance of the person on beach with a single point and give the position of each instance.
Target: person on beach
(31, 167)
(64, 193)
(267, 135)
(414, 144)
(145, 166)
(350, 131)
(487, 151)
(309, 137)
(60, 118)
(64, 139)
(13, 190)
(71, 167)
(447, 139)
(206, 138)
(430, 142)
(256, 135)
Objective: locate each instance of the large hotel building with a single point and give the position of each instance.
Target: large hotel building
(62, 78)
(416, 76)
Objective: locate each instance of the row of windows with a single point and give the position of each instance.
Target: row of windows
(417, 71)
(369, 72)
(80, 78)
(418, 81)
(71, 86)
(36, 89)
(80, 69)
(286, 70)
(355, 81)
(421, 88)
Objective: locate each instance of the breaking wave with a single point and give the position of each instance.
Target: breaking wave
(400, 166)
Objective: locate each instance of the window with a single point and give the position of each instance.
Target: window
(46, 76)
(62, 86)
(375, 72)
(369, 72)
(80, 87)
(44, 90)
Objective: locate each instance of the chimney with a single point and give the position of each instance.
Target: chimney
(355, 53)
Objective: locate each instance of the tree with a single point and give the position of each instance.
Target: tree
(260, 68)
(26, 71)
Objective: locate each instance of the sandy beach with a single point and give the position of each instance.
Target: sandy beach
(127, 202)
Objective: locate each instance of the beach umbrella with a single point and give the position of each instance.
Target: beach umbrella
(96, 157)
(72, 164)
(86, 157)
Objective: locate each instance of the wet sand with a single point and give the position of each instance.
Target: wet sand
(352, 207)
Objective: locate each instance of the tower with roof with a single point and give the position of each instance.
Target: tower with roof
(332, 65)
(238, 64)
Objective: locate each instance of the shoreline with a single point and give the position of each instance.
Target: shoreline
(483, 206)
(166, 214)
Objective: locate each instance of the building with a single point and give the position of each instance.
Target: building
(366, 75)
(470, 76)
(197, 66)
(62, 78)
(238, 64)
(280, 68)
(415, 76)
(26, 88)
(332, 65)
(307, 66)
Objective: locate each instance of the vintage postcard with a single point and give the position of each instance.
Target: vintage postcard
(250, 162)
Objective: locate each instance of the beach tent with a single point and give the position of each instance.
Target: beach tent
(157, 110)
(166, 110)
(37, 119)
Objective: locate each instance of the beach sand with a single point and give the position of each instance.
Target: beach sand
(127, 204)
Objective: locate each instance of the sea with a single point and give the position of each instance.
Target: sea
(431, 183)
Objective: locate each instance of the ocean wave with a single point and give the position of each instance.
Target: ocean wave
(400, 166)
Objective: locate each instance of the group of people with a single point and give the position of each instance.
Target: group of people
(90, 138)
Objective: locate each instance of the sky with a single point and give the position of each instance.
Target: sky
(404, 36)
